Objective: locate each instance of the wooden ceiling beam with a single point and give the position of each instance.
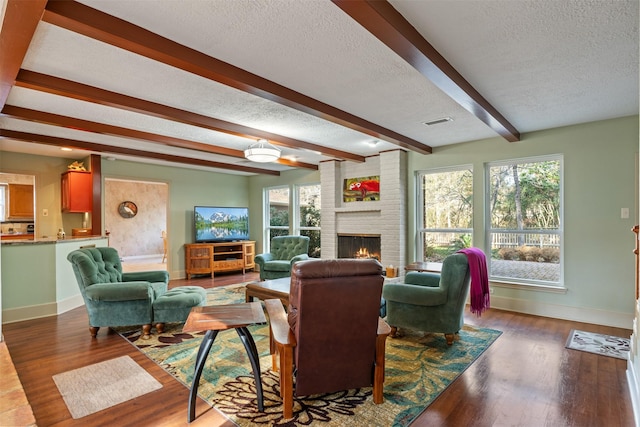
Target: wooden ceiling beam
(105, 129)
(103, 148)
(98, 25)
(389, 26)
(20, 21)
(82, 92)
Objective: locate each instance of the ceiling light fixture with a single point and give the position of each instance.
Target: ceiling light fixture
(262, 152)
(439, 121)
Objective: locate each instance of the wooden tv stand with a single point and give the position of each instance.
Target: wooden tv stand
(209, 258)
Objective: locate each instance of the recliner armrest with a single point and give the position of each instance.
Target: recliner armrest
(119, 291)
(280, 330)
(262, 258)
(414, 294)
(422, 278)
(300, 257)
(146, 276)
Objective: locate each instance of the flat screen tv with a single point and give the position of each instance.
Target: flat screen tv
(220, 224)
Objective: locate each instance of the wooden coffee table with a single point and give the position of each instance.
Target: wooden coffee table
(269, 289)
(214, 319)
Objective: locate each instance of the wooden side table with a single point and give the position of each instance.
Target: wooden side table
(214, 319)
(432, 267)
(276, 288)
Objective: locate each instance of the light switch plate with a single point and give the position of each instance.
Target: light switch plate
(45, 212)
(624, 213)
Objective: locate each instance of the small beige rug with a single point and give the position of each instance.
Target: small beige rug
(102, 385)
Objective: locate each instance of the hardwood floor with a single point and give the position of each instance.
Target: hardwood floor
(526, 378)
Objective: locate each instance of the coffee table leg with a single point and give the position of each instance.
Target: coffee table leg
(252, 352)
(203, 352)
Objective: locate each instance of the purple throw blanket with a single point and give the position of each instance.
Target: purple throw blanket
(479, 280)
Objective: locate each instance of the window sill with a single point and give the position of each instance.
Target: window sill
(504, 283)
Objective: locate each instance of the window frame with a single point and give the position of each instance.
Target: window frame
(267, 227)
(294, 227)
(515, 282)
(420, 228)
(297, 228)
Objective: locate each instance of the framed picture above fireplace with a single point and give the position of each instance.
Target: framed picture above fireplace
(361, 189)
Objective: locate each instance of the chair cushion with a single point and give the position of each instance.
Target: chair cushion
(286, 247)
(96, 265)
(119, 291)
(278, 266)
(175, 304)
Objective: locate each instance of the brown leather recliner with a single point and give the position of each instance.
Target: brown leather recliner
(332, 335)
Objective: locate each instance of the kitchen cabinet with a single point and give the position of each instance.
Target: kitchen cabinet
(77, 191)
(20, 201)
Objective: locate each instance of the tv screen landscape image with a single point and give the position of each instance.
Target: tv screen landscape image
(220, 224)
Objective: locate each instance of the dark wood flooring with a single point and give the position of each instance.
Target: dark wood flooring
(526, 378)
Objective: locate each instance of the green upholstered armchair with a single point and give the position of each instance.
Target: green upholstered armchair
(114, 298)
(430, 302)
(285, 251)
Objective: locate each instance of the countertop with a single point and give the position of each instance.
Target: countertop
(46, 240)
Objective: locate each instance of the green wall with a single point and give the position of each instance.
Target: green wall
(600, 177)
(187, 188)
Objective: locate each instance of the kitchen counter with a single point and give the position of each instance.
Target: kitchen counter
(23, 239)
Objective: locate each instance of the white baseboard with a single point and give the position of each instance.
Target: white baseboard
(12, 315)
(140, 257)
(19, 314)
(634, 391)
(556, 311)
(70, 303)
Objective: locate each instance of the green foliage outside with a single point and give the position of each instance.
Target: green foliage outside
(523, 196)
(309, 217)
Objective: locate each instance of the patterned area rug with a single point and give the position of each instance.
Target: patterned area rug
(418, 368)
(606, 345)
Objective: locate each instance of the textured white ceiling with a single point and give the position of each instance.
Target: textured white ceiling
(541, 63)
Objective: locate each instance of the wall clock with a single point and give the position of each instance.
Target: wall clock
(127, 209)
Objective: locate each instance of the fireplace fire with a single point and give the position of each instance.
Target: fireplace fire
(359, 246)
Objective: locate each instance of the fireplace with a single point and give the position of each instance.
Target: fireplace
(359, 246)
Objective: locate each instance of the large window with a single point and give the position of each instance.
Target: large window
(445, 219)
(277, 212)
(524, 220)
(308, 213)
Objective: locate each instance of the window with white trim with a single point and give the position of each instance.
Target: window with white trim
(524, 220)
(307, 203)
(445, 216)
(276, 213)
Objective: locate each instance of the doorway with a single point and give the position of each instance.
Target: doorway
(135, 219)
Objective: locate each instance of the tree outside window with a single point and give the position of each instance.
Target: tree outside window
(278, 212)
(446, 218)
(525, 220)
(308, 203)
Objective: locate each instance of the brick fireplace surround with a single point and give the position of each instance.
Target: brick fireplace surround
(386, 217)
